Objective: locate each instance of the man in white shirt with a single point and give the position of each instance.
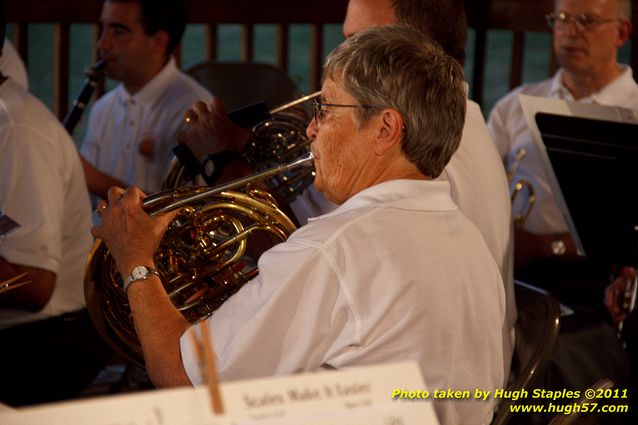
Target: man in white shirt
(395, 272)
(50, 350)
(133, 128)
(587, 36)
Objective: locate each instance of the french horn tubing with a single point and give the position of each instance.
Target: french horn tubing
(276, 140)
(207, 254)
(518, 189)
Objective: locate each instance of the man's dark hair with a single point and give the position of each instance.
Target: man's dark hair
(443, 20)
(162, 15)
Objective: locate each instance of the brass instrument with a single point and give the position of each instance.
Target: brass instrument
(207, 254)
(522, 185)
(279, 139)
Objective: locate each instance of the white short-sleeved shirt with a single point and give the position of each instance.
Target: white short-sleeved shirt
(11, 65)
(42, 187)
(119, 123)
(510, 133)
(479, 187)
(395, 273)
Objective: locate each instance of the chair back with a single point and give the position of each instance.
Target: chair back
(241, 84)
(537, 328)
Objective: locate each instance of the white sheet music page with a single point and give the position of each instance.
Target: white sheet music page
(362, 395)
(532, 105)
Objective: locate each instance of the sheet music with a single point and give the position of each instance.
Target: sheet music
(385, 414)
(361, 395)
(182, 406)
(532, 105)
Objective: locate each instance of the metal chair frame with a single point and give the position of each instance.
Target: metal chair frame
(536, 333)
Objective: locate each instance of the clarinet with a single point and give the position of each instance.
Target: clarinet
(94, 75)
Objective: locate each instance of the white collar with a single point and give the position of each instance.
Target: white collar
(608, 95)
(152, 90)
(431, 195)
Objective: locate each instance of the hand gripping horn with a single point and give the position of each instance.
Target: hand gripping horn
(207, 254)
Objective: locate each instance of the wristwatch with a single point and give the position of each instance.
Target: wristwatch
(214, 164)
(139, 273)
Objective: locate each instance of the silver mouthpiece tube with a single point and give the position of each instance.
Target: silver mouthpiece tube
(305, 160)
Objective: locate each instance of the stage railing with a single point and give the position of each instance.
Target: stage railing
(518, 16)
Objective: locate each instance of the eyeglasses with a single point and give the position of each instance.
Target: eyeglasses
(582, 21)
(320, 113)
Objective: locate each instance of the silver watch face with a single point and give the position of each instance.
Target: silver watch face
(139, 272)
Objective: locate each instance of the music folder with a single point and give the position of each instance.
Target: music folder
(590, 155)
(363, 395)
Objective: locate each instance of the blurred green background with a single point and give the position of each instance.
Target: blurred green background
(537, 55)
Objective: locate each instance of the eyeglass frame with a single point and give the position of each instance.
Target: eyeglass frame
(316, 108)
(582, 21)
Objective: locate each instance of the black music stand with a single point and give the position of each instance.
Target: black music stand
(595, 164)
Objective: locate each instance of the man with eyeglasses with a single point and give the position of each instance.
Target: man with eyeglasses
(396, 272)
(586, 37)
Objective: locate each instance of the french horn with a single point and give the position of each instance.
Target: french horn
(519, 188)
(279, 139)
(207, 254)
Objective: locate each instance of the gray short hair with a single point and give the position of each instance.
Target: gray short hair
(398, 67)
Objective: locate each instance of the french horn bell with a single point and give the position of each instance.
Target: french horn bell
(208, 253)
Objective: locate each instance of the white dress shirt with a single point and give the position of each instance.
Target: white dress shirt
(119, 123)
(11, 65)
(42, 188)
(479, 187)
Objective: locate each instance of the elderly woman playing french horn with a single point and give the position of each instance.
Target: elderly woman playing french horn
(395, 273)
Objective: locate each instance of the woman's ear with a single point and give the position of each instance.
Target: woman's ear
(389, 132)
